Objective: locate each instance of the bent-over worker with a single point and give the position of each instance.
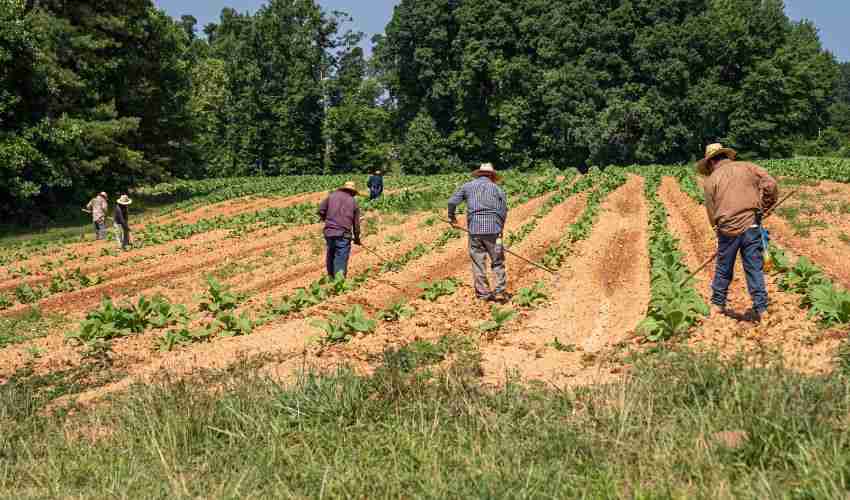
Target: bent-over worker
(737, 194)
(98, 208)
(375, 185)
(122, 221)
(487, 211)
(341, 216)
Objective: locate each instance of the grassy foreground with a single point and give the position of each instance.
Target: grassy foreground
(683, 426)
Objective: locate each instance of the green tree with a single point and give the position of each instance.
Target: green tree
(424, 151)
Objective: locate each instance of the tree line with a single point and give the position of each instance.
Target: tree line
(110, 94)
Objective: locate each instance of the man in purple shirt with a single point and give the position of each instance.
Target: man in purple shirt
(341, 216)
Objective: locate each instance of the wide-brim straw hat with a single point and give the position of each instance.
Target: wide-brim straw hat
(487, 169)
(711, 151)
(103, 194)
(125, 200)
(350, 186)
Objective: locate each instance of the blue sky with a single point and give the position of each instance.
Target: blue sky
(832, 17)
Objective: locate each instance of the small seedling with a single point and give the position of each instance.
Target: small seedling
(218, 298)
(433, 291)
(341, 327)
(531, 297)
(396, 312)
(499, 317)
(558, 346)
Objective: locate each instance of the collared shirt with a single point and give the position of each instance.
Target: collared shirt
(341, 215)
(487, 206)
(98, 207)
(734, 192)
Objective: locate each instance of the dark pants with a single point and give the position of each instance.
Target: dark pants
(750, 245)
(122, 234)
(100, 230)
(374, 195)
(339, 249)
(481, 247)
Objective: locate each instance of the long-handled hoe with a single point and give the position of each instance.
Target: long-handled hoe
(555, 275)
(714, 255)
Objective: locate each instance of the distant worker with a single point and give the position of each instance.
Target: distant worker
(376, 185)
(737, 194)
(122, 221)
(487, 211)
(341, 216)
(98, 207)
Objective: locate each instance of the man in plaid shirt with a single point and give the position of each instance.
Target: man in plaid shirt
(487, 211)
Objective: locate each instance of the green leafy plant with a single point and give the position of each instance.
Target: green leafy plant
(433, 291)
(341, 327)
(218, 298)
(559, 346)
(27, 294)
(498, 319)
(396, 312)
(531, 297)
(5, 302)
(830, 304)
(230, 325)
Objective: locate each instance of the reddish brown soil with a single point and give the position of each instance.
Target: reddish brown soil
(291, 337)
(603, 296)
(802, 343)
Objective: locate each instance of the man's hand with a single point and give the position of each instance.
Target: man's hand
(358, 242)
(453, 221)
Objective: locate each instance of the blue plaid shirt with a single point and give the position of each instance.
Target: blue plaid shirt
(487, 206)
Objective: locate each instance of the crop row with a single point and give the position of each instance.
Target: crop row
(675, 306)
(827, 302)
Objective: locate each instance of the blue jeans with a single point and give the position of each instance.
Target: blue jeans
(750, 245)
(339, 249)
(100, 230)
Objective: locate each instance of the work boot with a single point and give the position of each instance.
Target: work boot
(487, 298)
(718, 311)
(502, 297)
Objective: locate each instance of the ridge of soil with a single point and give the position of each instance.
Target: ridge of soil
(292, 337)
(804, 345)
(603, 296)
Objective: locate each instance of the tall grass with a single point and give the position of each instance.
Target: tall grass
(413, 433)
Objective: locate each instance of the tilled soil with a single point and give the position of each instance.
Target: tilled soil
(803, 344)
(183, 290)
(291, 338)
(602, 297)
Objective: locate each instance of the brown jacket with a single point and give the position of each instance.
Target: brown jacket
(733, 194)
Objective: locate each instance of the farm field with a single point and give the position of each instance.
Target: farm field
(224, 289)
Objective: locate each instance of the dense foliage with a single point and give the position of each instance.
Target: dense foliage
(591, 82)
(109, 95)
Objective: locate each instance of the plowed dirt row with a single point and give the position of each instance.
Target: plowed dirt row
(829, 253)
(803, 344)
(290, 338)
(601, 299)
(93, 248)
(269, 275)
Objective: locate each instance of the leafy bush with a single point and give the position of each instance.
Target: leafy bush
(341, 327)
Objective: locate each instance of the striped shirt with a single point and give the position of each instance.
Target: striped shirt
(487, 206)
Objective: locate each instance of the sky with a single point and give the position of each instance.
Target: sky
(832, 17)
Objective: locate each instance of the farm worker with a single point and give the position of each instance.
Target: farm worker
(122, 225)
(98, 207)
(376, 185)
(737, 193)
(487, 211)
(341, 216)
